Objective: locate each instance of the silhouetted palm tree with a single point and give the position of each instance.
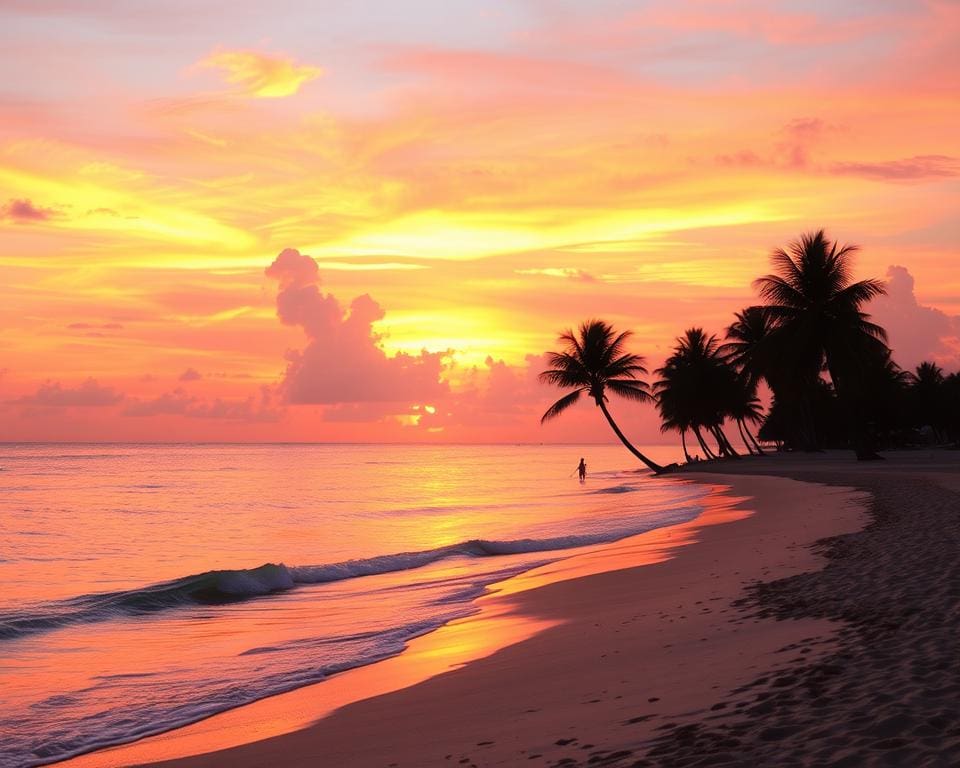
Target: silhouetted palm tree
(594, 361)
(818, 323)
(927, 392)
(887, 401)
(670, 424)
(951, 406)
(696, 388)
(745, 407)
(747, 347)
(749, 351)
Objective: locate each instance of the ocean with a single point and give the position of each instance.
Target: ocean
(150, 586)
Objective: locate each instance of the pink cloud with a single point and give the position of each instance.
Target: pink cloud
(745, 158)
(792, 147)
(89, 394)
(180, 403)
(800, 136)
(917, 168)
(343, 361)
(191, 374)
(917, 332)
(23, 210)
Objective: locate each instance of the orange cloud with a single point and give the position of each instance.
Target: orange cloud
(261, 75)
(488, 189)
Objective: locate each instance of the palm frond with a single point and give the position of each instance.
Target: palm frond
(561, 405)
(779, 292)
(787, 269)
(859, 293)
(631, 390)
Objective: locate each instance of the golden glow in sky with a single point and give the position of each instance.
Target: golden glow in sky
(469, 178)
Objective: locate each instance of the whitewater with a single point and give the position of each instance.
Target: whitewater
(150, 586)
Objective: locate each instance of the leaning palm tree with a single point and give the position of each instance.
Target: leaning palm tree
(595, 361)
(818, 321)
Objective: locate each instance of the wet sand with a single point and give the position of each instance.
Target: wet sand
(755, 645)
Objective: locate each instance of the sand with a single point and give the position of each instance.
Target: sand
(759, 644)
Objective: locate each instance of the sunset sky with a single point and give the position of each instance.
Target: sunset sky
(368, 221)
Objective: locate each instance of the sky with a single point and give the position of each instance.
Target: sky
(353, 221)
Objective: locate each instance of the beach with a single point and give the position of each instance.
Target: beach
(806, 618)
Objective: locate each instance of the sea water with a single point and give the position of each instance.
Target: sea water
(150, 586)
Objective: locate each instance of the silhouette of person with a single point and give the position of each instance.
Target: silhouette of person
(582, 470)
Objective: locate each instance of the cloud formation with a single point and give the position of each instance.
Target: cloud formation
(23, 210)
(565, 272)
(917, 332)
(799, 138)
(191, 374)
(917, 168)
(261, 75)
(89, 394)
(181, 403)
(344, 361)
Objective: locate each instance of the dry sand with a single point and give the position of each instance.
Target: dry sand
(755, 646)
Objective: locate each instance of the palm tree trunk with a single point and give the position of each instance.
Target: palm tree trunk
(864, 446)
(623, 439)
(721, 448)
(753, 439)
(703, 444)
(721, 442)
(728, 446)
(683, 442)
(756, 445)
(807, 426)
(743, 437)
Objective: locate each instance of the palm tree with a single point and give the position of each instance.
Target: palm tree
(927, 393)
(747, 347)
(593, 361)
(668, 424)
(818, 323)
(748, 350)
(887, 401)
(745, 407)
(695, 389)
(674, 416)
(951, 408)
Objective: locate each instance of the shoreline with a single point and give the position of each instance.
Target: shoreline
(494, 624)
(662, 658)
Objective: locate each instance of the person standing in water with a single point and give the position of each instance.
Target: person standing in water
(582, 469)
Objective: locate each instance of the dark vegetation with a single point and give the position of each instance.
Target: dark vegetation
(827, 367)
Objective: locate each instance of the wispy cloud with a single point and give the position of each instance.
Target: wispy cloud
(261, 75)
(920, 167)
(566, 272)
(89, 394)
